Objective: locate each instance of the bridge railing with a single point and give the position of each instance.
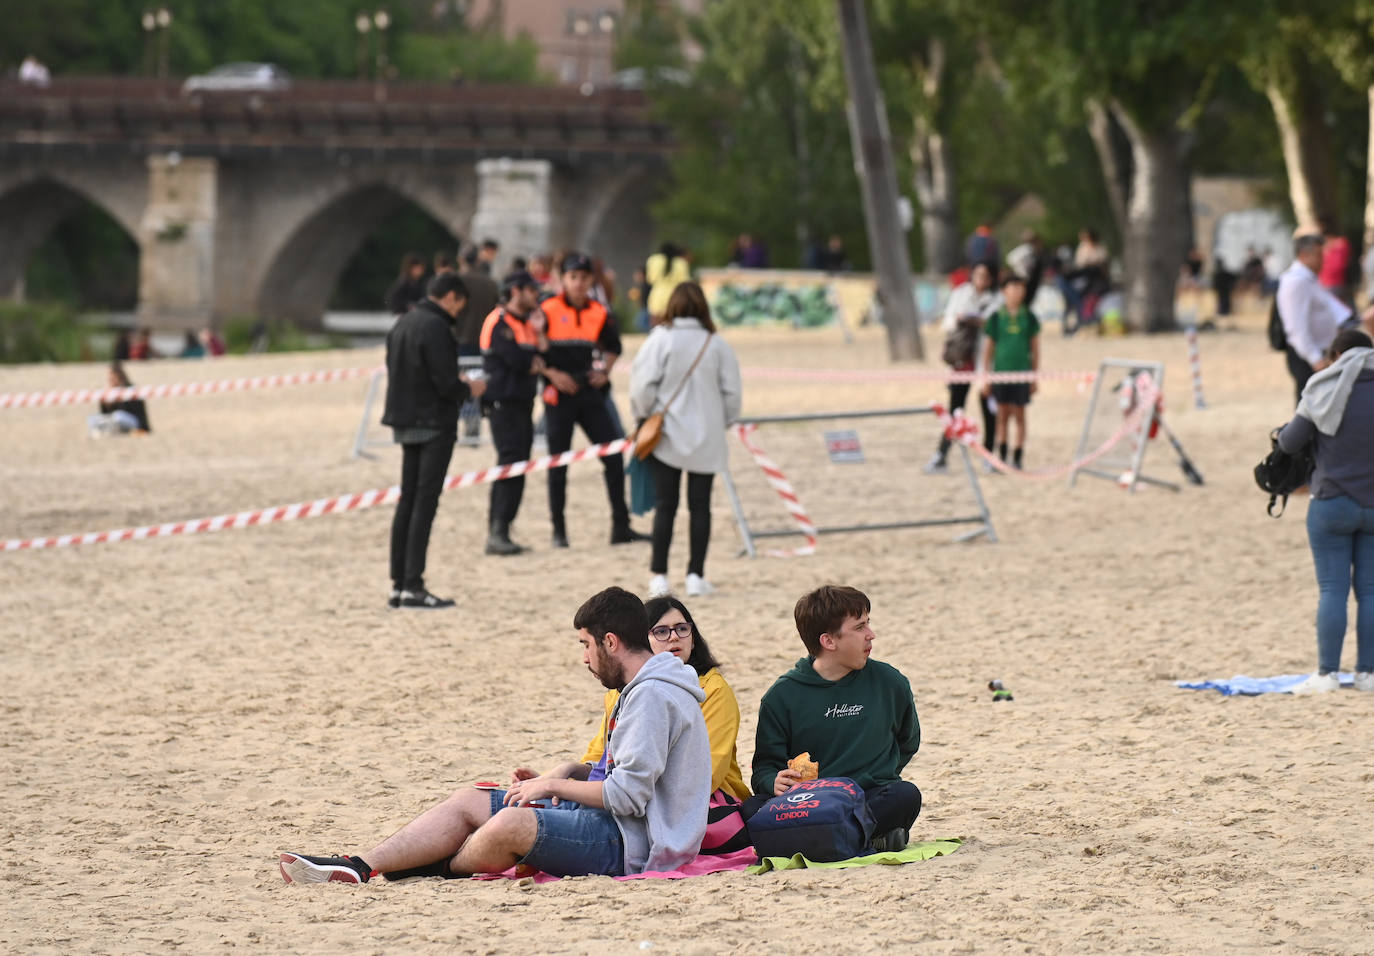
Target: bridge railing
(491, 120)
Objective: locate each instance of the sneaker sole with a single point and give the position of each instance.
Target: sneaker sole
(296, 870)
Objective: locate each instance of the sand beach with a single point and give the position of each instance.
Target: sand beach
(178, 711)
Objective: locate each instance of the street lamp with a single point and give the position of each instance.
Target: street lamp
(363, 24)
(149, 22)
(164, 23)
(381, 20)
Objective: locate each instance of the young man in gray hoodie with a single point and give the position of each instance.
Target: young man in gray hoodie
(641, 809)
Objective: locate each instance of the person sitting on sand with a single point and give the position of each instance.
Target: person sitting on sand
(122, 416)
(676, 633)
(854, 715)
(647, 813)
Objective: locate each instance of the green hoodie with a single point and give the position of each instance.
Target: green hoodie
(862, 726)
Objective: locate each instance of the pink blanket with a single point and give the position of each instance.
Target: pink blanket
(697, 867)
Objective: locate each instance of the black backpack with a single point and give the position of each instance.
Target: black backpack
(1281, 474)
(1278, 338)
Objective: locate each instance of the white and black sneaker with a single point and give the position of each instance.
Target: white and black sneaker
(424, 600)
(394, 601)
(299, 868)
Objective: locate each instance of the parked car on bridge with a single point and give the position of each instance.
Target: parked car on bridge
(239, 77)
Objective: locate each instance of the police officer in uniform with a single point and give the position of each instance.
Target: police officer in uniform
(577, 326)
(514, 346)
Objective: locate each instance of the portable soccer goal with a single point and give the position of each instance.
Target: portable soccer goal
(469, 417)
(866, 476)
(1123, 415)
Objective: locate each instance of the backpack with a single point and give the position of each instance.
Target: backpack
(825, 820)
(1278, 338)
(960, 347)
(1280, 474)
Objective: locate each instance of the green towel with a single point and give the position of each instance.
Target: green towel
(913, 853)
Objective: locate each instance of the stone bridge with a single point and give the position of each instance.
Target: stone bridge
(252, 203)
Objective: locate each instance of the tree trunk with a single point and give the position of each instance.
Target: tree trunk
(934, 181)
(1369, 180)
(1100, 129)
(932, 160)
(1306, 156)
(1157, 226)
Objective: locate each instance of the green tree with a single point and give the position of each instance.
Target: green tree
(763, 143)
(1141, 72)
(312, 39)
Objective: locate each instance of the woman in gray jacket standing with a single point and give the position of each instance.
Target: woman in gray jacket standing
(683, 355)
(1337, 413)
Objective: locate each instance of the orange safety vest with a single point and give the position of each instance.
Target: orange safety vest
(570, 326)
(524, 335)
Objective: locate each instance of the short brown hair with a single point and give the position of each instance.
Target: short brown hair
(689, 302)
(825, 610)
(615, 611)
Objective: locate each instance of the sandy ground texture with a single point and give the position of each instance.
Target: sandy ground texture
(178, 711)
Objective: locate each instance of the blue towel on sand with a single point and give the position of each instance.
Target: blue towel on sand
(1250, 686)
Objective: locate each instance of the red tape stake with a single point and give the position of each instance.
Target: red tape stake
(965, 430)
(785, 491)
(312, 509)
(85, 395)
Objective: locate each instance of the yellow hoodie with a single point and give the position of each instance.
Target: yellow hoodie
(721, 711)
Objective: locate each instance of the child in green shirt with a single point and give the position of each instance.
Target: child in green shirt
(1012, 345)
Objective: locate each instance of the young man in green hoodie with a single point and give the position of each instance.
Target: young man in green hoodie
(856, 716)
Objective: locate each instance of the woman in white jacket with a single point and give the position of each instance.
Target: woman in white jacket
(694, 424)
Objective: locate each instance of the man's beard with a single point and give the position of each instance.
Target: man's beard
(610, 672)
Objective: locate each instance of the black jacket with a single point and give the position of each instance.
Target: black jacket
(423, 389)
(507, 364)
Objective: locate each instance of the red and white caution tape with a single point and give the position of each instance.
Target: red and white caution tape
(82, 396)
(1195, 364)
(961, 429)
(912, 375)
(312, 509)
(785, 491)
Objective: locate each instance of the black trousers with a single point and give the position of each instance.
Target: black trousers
(1299, 369)
(667, 488)
(512, 431)
(423, 467)
(958, 397)
(893, 805)
(586, 409)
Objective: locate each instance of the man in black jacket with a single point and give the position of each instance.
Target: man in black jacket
(423, 394)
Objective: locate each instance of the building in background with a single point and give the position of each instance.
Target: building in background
(576, 38)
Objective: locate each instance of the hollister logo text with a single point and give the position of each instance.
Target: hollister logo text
(844, 710)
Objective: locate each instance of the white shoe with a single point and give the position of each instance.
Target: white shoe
(697, 586)
(658, 586)
(1318, 684)
(1364, 680)
(936, 465)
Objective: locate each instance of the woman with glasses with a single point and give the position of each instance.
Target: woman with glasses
(674, 632)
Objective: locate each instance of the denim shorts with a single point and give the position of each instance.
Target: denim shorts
(572, 840)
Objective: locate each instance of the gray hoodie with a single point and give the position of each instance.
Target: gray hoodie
(660, 781)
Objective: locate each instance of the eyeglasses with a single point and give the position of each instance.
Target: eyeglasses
(661, 633)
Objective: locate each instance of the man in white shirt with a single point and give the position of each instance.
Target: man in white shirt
(1311, 315)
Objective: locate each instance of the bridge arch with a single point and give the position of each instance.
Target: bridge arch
(33, 207)
(615, 222)
(302, 270)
